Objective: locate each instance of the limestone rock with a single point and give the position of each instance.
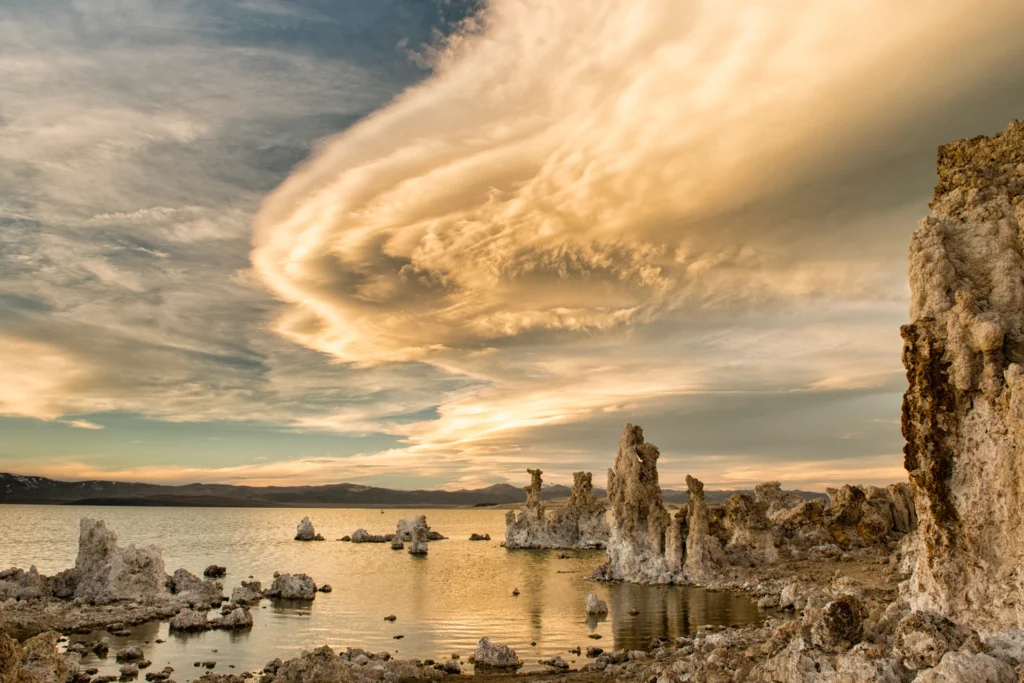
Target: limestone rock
(966, 667)
(237, 619)
(419, 535)
(190, 620)
(107, 572)
(841, 624)
(190, 588)
(292, 587)
(18, 584)
(495, 655)
(215, 571)
(750, 530)
(364, 536)
(596, 605)
(771, 496)
(580, 524)
(704, 555)
(249, 593)
(305, 531)
(639, 521)
(42, 661)
(480, 537)
(963, 413)
(922, 638)
(10, 658)
(397, 543)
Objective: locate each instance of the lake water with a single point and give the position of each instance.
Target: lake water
(444, 602)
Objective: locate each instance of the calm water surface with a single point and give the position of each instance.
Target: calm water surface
(444, 602)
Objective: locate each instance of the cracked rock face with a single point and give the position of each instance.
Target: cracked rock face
(580, 524)
(495, 655)
(106, 572)
(963, 412)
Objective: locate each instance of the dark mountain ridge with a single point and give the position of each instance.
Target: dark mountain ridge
(44, 491)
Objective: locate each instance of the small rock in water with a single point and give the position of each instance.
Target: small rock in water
(398, 637)
(593, 651)
(209, 664)
(129, 654)
(555, 662)
(129, 671)
(515, 591)
(594, 636)
(390, 617)
(634, 611)
(326, 588)
(215, 571)
(595, 605)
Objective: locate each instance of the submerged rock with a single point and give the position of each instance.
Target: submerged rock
(215, 571)
(963, 413)
(480, 537)
(579, 524)
(237, 619)
(305, 531)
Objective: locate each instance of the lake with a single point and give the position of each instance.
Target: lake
(444, 602)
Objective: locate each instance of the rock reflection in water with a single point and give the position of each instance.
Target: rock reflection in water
(672, 611)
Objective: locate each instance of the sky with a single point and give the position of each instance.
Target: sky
(431, 243)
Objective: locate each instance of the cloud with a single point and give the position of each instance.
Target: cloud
(566, 168)
(81, 424)
(598, 211)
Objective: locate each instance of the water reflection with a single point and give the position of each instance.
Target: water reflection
(641, 613)
(445, 602)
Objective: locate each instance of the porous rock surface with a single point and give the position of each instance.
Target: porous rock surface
(710, 545)
(579, 524)
(305, 531)
(418, 536)
(106, 572)
(963, 412)
(495, 655)
(292, 587)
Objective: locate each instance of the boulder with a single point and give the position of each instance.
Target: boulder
(41, 660)
(292, 587)
(321, 665)
(305, 531)
(107, 572)
(190, 620)
(237, 619)
(480, 537)
(420, 531)
(841, 624)
(215, 571)
(190, 588)
(364, 536)
(922, 638)
(967, 667)
(249, 593)
(495, 655)
(595, 605)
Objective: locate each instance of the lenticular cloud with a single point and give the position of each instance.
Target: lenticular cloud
(571, 166)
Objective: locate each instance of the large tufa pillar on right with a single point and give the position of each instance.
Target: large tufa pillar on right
(963, 412)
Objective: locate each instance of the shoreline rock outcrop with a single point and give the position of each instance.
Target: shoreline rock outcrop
(579, 524)
(291, 587)
(963, 412)
(702, 544)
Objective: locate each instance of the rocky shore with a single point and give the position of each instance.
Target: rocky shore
(920, 581)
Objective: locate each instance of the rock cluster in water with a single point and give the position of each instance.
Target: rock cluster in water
(963, 413)
(580, 524)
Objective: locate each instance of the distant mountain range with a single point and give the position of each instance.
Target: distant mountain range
(42, 491)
